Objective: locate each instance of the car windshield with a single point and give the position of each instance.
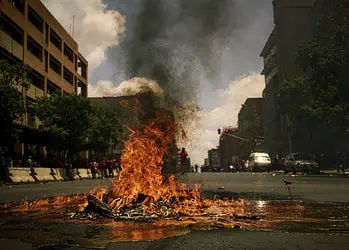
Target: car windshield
(302, 157)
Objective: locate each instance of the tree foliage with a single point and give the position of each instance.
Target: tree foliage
(13, 78)
(321, 93)
(66, 117)
(104, 131)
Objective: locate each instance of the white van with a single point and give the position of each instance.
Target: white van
(259, 162)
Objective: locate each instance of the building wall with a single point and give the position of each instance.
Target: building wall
(40, 35)
(292, 19)
(296, 22)
(214, 159)
(27, 35)
(250, 118)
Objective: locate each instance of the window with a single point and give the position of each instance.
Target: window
(82, 90)
(56, 39)
(82, 68)
(55, 65)
(52, 88)
(46, 33)
(68, 76)
(34, 48)
(68, 52)
(35, 19)
(18, 4)
(12, 29)
(36, 79)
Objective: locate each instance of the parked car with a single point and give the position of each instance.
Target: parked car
(239, 165)
(259, 162)
(300, 162)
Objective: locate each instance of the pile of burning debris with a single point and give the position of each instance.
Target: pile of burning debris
(140, 193)
(97, 209)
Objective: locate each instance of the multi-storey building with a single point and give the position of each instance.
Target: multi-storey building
(292, 27)
(296, 21)
(30, 34)
(250, 118)
(214, 160)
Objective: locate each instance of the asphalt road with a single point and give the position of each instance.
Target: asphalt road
(245, 185)
(269, 186)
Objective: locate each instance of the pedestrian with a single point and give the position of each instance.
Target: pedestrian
(2, 166)
(93, 169)
(340, 161)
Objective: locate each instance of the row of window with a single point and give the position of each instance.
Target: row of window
(38, 81)
(51, 36)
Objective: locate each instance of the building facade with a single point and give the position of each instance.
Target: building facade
(214, 160)
(292, 26)
(250, 118)
(30, 34)
(296, 22)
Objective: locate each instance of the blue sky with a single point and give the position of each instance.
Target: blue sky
(224, 64)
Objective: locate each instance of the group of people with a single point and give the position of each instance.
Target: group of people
(104, 168)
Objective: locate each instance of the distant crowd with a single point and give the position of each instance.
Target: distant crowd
(104, 168)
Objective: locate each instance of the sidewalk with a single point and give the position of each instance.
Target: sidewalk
(334, 172)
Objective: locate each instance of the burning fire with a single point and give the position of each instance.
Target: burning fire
(141, 179)
(141, 185)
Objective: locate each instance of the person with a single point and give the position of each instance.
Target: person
(110, 168)
(2, 166)
(340, 161)
(196, 168)
(93, 169)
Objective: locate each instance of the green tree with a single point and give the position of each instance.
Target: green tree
(66, 117)
(13, 78)
(321, 93)
(105, 130)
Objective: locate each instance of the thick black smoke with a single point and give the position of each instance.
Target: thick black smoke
(178, 42)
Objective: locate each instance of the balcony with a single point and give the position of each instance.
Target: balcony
(272, 54)
(269, 76)
(11, 45)
(35, 92)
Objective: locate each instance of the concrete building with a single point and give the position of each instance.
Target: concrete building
(31, 34)
(214, 160)
(292, 27)
(250, 118)
(237, 143)
(295, 22)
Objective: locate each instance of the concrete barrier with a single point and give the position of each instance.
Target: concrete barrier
(20, 175)
(44, 174)
(84, 173)
(72, 174)
(60, 174)
(115, 172)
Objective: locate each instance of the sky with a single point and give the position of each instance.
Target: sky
(204, 51)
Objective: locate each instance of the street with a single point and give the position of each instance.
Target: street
(250, 186)
(268, 186)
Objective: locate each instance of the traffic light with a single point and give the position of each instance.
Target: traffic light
(219, 131)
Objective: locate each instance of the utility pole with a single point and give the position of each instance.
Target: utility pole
(289, 134)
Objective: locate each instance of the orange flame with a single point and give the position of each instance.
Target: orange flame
(142, 162)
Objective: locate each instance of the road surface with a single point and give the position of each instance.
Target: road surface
(246, 185)
(268, 186)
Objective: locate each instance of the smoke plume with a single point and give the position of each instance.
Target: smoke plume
(176, 43)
